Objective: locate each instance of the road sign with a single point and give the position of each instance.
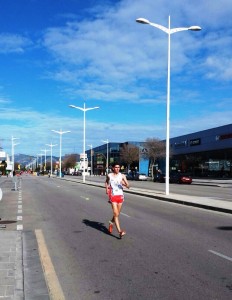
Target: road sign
(2, 154)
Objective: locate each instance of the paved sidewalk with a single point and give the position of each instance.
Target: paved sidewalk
(201, 202)
(11, 271)
(21, 274)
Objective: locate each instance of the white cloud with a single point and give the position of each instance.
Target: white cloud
(33, 129)
(219, 67)
(4, 100)
(112, 50)
(13, 43)
(112, 58)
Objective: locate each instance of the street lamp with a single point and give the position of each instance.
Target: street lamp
(51, 145)
(84, 109)
(37, 161)
(45, 159)
(107, 155)
(41, 158)
(169, 31)
(60, 133)
(12, 151)
(91, 157)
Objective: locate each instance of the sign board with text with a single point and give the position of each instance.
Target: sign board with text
(2, 154)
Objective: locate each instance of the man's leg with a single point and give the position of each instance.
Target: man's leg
(116, 210)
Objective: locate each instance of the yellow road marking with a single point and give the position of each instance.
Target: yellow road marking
(52, 281)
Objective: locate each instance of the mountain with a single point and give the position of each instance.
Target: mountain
(24, 159)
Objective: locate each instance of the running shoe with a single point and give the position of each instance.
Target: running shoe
(122, 233)
(110, 227)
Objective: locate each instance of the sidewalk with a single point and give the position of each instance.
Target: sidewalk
(201, 202)
(11, 255)
(11, 271)
(21, 274)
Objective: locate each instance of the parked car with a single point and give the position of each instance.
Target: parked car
(77, 173)
(136, 176)
(175, 177)
(180, 178)
(159, 177)
(142, 177)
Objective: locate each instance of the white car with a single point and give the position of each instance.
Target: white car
(86, 173)
(142, 177)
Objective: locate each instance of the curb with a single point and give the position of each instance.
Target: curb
(181, 202)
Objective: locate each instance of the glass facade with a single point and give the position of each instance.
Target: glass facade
(206, 153)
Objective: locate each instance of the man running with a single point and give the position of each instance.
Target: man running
(114, 184)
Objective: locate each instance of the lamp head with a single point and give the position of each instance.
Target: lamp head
(194, 28)
(142, 21)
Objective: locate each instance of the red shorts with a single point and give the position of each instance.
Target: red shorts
(115, 198)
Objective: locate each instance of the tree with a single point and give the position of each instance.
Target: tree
(155, 148)
(129, 155)
(70, 160)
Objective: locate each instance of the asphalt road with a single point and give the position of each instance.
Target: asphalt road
(170, 251)
(201, 190)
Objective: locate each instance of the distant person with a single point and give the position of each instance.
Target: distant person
(15, 181)
(114, 184)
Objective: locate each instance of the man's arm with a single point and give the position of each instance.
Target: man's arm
(125, 182)
(107, 183)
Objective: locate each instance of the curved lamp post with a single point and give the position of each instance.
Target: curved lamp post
(91, 158)
(169, 31)
(12, 151)
(84, 109)
(41, 158)
(45, 159)
(60, 133)
(51, 145)
(107, 155)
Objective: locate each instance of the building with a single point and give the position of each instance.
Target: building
(111, 150)
(202, 154)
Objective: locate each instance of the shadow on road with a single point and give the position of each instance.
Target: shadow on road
(99, 226)
(226, 228)
(7, 222)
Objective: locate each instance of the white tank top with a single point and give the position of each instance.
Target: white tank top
(116, 183)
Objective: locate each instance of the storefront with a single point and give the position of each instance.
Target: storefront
(204, 153)
(112, 151)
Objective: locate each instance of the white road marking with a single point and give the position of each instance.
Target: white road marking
(20, 227)
(86, 198)
(20, 211)
(125, 215)
(221, 255)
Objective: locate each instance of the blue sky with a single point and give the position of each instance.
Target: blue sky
(54, 53)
